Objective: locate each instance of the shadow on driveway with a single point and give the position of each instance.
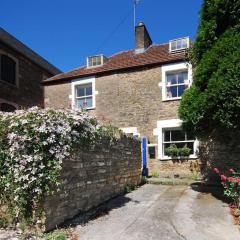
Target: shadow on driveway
(216, 190)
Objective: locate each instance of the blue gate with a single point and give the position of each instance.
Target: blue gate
(144, 156)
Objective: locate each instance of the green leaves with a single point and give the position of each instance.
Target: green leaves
(174, 151)
(212, 103)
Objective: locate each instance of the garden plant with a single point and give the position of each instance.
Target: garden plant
(33, 145)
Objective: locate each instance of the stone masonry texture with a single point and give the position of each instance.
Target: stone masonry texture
(93, 176)
(29, 91)
(130, 98)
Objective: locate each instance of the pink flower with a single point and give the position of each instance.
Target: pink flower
(223, 178)
(231, 171)
(216, 170)
(232, 179)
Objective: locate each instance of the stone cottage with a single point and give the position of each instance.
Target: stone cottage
(136, 90)
(21, 73)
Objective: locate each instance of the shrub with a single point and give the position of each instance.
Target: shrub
(33, 145)
(231, 184)
(212, 103)
(210, 108)
(174, 151)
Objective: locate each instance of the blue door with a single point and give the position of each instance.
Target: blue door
(144, 156)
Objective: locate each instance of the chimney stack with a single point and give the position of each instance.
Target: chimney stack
(142, 38)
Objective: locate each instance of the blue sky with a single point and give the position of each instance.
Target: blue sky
(65, 32)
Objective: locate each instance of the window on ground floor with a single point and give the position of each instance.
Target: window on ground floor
(173, 142)
(178, 138)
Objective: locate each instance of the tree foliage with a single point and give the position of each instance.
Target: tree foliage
(212, 104)
(216, 17)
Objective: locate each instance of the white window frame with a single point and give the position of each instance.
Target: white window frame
(171, 124)
(84, 81)
(178, 39)
(92, 66)
(131, 130)
(171, 68)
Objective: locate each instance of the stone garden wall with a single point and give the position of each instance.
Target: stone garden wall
(92, 176)
(219, 154)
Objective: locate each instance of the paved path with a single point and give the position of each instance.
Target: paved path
(163, 212)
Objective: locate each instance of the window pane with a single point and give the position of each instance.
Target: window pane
(179, 44)
(181, 90)
(182, 76)
(167, 136)
(173, 45)
(88, 102)
(8, 69)
(84, 102)
(165, 145)
(190, 137)
(190, 145)
(184, 43)
(80, 91)
(84, 90)
(171, 78)
(89, 90)
(178, 135)
(80, 103)
(172, 92)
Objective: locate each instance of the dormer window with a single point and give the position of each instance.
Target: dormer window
(97, 60)
(178, 44)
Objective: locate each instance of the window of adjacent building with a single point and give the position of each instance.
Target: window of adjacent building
(7, 69)
(176, 84)
(84, 96)
(5, 107)
(178, 44)
(179, 138)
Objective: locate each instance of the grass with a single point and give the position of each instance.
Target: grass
(154, 174)
(60, 234)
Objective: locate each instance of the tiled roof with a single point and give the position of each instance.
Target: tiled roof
(156, 54)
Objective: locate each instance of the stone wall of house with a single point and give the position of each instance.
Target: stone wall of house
(178, 168)
(129, 99)
(57, 95)
(28, 91)
(134, 99)
(92, 176)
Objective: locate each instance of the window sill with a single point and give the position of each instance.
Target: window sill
(91, 108)
(165, 158)
(171, 99)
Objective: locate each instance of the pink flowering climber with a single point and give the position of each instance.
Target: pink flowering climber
(216, 170)
(231, 171)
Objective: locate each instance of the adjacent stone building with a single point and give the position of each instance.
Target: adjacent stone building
(21, 73)
(138, 91)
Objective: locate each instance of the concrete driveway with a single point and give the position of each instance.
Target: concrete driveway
(162, 212)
